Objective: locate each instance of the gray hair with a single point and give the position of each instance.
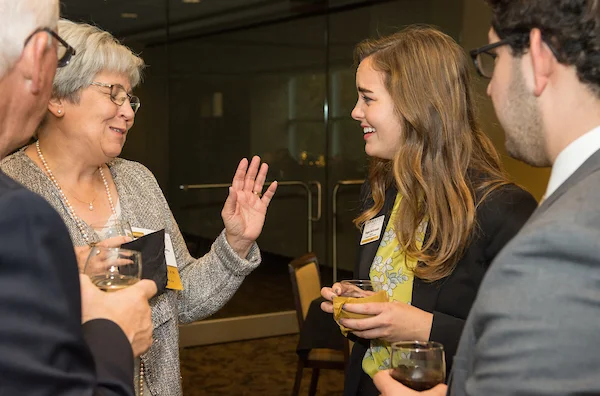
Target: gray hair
(20, 18)
(96, 51)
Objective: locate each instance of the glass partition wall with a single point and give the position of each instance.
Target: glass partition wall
(237, 78)
(282, 89)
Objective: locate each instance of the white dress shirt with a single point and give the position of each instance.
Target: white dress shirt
(571, 158)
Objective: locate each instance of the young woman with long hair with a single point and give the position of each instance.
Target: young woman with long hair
(437, 197)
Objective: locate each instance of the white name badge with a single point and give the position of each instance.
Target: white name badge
(169, 253)
(372, 230)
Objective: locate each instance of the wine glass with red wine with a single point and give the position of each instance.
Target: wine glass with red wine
(419, 365)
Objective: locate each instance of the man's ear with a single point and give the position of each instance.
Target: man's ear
(35, 64)
(542, 61)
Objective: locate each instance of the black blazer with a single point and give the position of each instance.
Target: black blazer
(44, 349)
(499, 217)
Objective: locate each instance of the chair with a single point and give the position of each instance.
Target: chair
(306, 285)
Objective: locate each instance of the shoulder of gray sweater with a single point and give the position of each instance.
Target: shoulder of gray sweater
(13, 163)
(20, 168)
(124, 166)
(135, 174)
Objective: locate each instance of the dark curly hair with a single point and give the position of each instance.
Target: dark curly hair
(572, 27)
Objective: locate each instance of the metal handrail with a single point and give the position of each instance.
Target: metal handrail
(306, 186)
(319, 199)
(334, 228)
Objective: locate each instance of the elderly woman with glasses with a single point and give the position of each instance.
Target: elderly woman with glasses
(74, 164)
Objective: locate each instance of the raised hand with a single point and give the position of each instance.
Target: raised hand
(246, 206)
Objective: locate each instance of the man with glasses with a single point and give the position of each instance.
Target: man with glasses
(535, 326)
(57, 337)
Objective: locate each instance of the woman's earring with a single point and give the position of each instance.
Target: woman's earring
(59, 111)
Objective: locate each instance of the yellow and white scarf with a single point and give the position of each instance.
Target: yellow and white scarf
(392, 268)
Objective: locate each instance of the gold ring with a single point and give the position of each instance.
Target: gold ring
(257, 193)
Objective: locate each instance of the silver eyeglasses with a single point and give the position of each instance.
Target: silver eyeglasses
(118, 95)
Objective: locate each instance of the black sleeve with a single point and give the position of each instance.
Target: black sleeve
(503, 215)
(500, 217)
(113, 357)
(42, 346)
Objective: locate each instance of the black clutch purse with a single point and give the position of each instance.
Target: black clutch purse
(154, 264)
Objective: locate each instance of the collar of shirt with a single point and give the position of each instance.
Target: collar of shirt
(571, 158)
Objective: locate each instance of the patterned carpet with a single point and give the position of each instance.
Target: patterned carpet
(263, 367)
(257, 367)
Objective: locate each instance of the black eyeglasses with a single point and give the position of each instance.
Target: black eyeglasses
(118, 95)
(65, 51)
(485, 61)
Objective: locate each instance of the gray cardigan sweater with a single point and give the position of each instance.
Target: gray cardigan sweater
(208, 282)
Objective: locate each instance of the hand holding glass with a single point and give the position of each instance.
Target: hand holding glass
(112, 269)
(357, 292)
(420, 365)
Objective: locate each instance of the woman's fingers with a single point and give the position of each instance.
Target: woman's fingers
(327, 293)
(240, 174)
(326, 306)
(366, 308)
(251, 177)
(229, 206)
(251, 174)
(268, 195)
(330, 292)
(363, 324)
(260, 178)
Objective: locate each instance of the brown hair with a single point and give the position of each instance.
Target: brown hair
(445, 166)
(572, 26)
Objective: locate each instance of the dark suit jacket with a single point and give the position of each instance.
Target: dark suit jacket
(499, 217)
(44, 349)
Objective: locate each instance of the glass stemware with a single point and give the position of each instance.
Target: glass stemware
(112, 269)
(113, 228)
(419, 365)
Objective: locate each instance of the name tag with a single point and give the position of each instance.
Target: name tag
(173, 278)
(372, 230)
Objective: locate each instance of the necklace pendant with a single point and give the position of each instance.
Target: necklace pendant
(91, 206)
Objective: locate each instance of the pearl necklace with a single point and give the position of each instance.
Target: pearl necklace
(78, 221)
(141, 388)
(81, 226)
